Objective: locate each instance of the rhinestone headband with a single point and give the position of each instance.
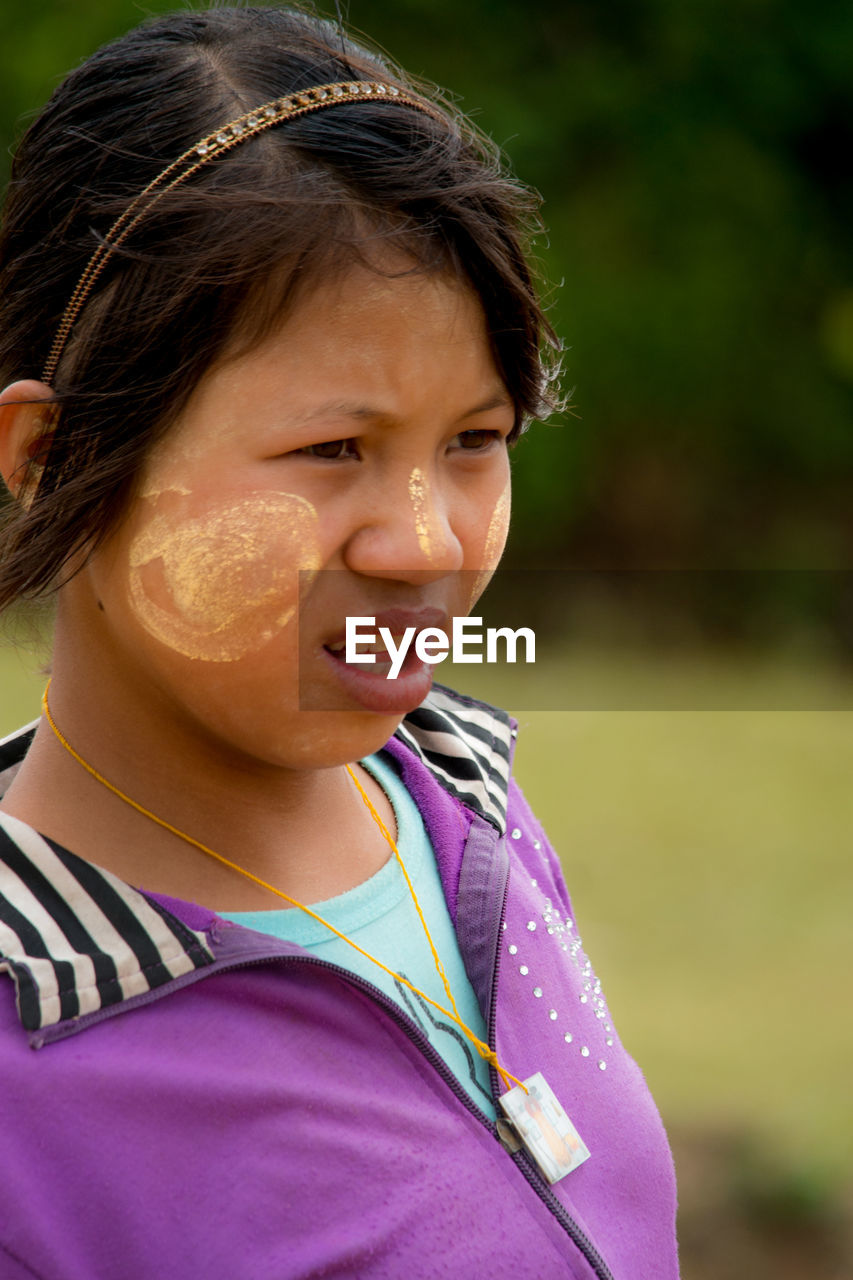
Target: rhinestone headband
(201, 153)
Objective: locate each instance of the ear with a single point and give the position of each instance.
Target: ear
(27, 418)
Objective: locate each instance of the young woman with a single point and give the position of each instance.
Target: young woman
(299, 965)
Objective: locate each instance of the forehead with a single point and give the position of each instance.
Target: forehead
(401, 340)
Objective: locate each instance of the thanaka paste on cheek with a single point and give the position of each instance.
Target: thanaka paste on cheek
(496, 536)
(177, 457)
(218, 586)
(153, 491)
(430, 539)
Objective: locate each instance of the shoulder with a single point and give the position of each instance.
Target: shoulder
(468, 746)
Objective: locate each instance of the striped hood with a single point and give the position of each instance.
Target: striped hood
(76, 939)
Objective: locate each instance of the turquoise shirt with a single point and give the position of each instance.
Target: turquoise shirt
(380, 916)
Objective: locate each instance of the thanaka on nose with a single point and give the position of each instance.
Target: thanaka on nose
(409, 534)
(430, 531)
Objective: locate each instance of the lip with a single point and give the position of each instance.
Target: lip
(395, 620)
(371, 690)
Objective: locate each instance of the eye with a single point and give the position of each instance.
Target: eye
(331, 449)
(476, 440)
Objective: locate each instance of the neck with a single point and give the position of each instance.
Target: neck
(305, 831)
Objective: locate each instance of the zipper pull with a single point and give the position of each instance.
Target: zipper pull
(507, 1136)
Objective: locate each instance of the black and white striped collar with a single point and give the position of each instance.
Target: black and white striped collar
(76, 939)
(467, 746)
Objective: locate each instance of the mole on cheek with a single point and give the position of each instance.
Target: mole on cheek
(217, 586)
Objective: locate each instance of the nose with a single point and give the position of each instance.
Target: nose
(408, 534)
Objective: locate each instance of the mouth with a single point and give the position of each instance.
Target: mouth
(394, 682)
(386, 662)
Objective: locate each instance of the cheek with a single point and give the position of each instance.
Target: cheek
(496, 535)
(497, 531)
(217, 586)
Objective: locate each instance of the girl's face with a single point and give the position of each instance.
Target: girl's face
(354, 464)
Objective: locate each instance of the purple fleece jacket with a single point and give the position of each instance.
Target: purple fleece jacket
(209, 1101)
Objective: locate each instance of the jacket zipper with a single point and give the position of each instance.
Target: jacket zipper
(521, 1158)
(395, 1013)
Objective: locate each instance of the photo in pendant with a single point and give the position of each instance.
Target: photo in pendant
(545, 1128)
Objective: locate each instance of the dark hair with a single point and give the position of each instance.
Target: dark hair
(219, 257)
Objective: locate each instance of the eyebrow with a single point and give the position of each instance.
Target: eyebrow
(363, 412)
(501, 400)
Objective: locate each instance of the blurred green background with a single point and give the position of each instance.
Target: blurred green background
(695, 164)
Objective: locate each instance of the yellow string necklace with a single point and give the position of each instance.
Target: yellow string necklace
(485, 1051)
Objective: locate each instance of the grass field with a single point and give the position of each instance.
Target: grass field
(709, 858)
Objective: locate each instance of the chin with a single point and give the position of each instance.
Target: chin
(328, 739)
